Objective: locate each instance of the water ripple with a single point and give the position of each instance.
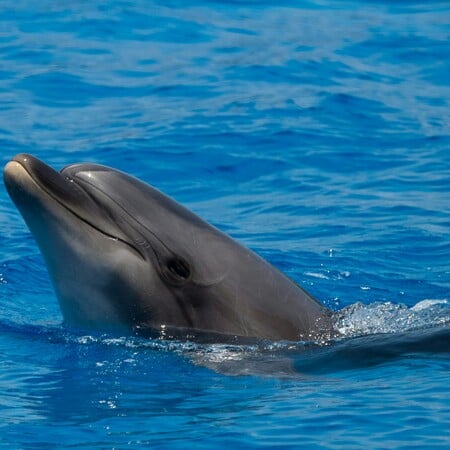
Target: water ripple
(315, 133)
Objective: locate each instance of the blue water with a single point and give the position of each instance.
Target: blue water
(318, 134)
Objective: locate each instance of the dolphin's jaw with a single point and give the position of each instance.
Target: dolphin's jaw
(27, 186)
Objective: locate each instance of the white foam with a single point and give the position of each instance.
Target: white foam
(387, 317)
(427, 303)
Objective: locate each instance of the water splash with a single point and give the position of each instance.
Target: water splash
(387, 317)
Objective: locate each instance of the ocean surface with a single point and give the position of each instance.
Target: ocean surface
(317, 133)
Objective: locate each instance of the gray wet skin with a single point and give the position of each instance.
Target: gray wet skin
(123, 255)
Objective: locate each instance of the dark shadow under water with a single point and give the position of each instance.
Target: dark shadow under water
(311, 358)
(365, 351)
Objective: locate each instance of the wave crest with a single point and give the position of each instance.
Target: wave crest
(360, 319)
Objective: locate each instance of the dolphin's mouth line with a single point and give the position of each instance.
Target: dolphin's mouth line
(145, 242)
(71, 211)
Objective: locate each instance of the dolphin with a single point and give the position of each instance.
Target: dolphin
(122, 255)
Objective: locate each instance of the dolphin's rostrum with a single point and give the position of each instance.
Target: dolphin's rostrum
(123, 255)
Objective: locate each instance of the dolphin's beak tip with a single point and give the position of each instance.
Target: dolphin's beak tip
(12, 172)
(13, 164)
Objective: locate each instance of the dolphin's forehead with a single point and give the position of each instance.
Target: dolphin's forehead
(141, 200)
(162, 224)
(73, 170)
(116, 190)
(96, 177)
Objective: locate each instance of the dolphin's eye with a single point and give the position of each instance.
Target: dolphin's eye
(179, 269)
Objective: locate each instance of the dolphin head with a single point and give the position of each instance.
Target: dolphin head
(123, 255)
